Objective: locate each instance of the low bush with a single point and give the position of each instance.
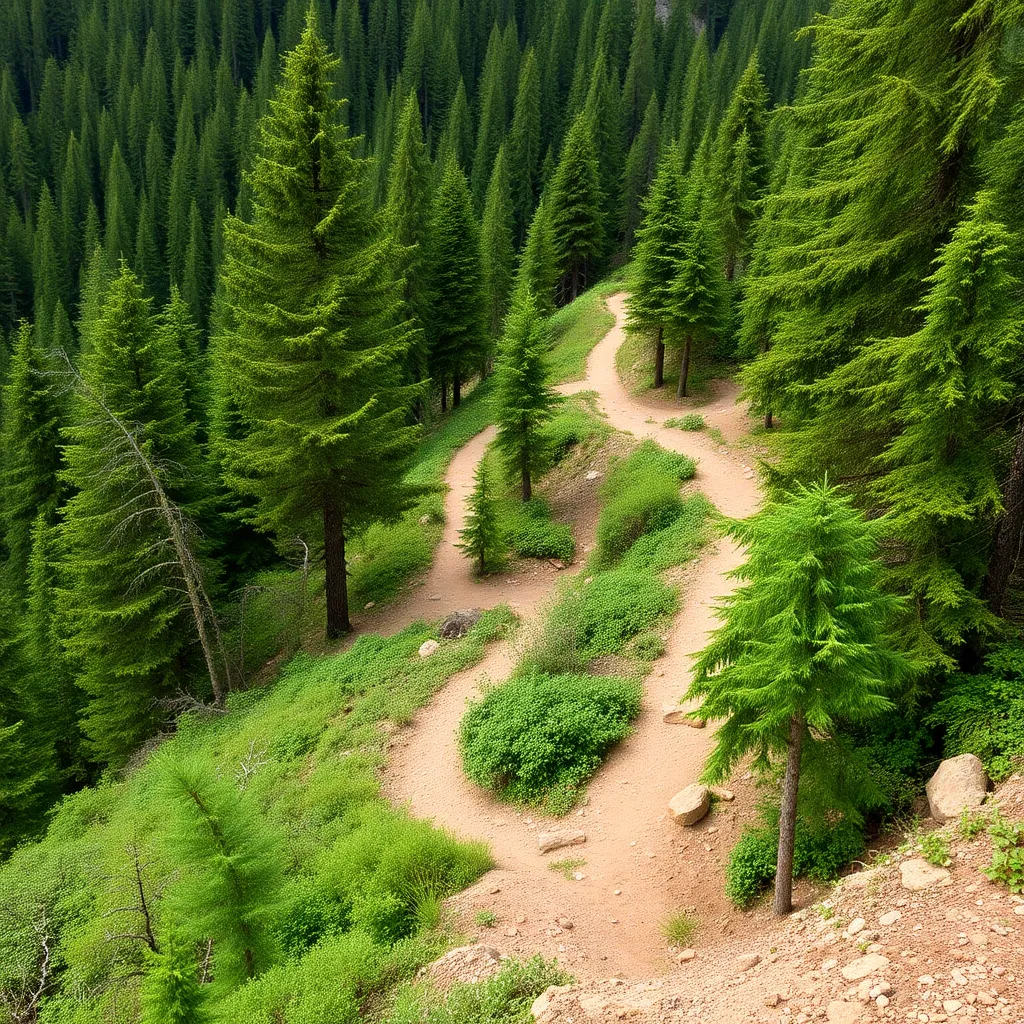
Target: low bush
(576, 422)
(386, 557)
(1007, 865)
(649, 505)
(529, 531)
(691, 421)
(983, 713)
(679, 928)
(935, 849)
(537, 738)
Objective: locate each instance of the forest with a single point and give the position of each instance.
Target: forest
(266, 266)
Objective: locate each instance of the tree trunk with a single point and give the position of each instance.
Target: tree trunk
(334, 567)
(768, 424)
(456, 391)
(444, 395)
(1010, 533)
(783, 903)
(659, 359)
(684, 370)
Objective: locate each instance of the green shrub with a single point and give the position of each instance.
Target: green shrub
(649, 458)
(529, 530)
(691, 421)
(935, 849)
(648, 505)
(574, 423)
(617, 606)
(1007, 864)
(983, 713)
(676, 544)
(752, 864)
(387, 556)
(485, 919)
(537, 738)
(679, 928)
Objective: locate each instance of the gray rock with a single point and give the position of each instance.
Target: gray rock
(958, 783)
(459, 623)
(428, 647)
(689, 805)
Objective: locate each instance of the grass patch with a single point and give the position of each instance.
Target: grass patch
(691, 421)
(635, 364)
(935, 849)
(357, 887)
(538, 738)
(485, 919)
(679, 928)
(578, 327)
(567, 868)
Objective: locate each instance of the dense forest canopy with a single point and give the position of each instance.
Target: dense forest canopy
(251, 251)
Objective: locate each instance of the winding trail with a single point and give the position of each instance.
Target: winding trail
(640, 867)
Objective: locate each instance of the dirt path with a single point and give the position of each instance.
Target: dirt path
(640, 867)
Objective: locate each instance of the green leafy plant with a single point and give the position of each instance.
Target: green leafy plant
(972, 825)
(1007, 864)
(485, 919)
(935, 849)
(679, 928)
(528, 529)
(691, 421)
(568, 867)
(538, 738)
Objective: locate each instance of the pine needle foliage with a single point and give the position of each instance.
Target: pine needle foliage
(320, 339)
(481, 537)
(803, 646)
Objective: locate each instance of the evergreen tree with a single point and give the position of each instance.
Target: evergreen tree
(641, 165)
(457, 137)
(802, 648)
(575, 204)
(48, 276)
(318, 340)
(129, 631)
(119, 210)
(538, 263)
(524, 146)
(170, 991)
(457, 326)
(480, 538)
(524, 400)
(494, 103)
(694, 103)
(496, 244)
(638, 88)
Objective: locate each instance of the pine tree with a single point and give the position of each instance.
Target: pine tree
(48, 275)
(538, 263)
(496, 244)
(457, 325)
(802, 648)
(524, 400)
(575, 204)
(651, 302)
(318, 340)
(638, 88)
(129, 628)
(641, 165)
(457, 137)
(524, 146)
(694, 103)
(480, 538)
(170, 991)
(31, 453)
(119, 210)
(494, 103)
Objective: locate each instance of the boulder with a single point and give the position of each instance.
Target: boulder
(839, 1012)
(459, 623)
(543, 1002)
(917, 874)
(958, 783)
(864, 966)
(548, 841)
(428, 647)
(689, 805)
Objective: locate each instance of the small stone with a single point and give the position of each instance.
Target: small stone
(855, 926)
(891, 918)
(369, 605)
(593, 475)
(951, 1005)
(864, 966)
(725, 795)
(882, 1001)
(978, 939)
(985, 999)
(828, 965)
(428, 647)
(564, 922)
(1019, 910)
(512, 932)
(548, 841)
(685, 954)
(840, 1012)
(917, 874)
(773, 1000)
(745, 961)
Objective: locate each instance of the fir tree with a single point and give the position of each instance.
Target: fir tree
(170, 992)
(480, 538)
(524, 400)
(802, 648)
(524, 146)
(496, 244)
(641, 165)
(457, 330)
(575, 206)
(318, 339)
(638, 88)
(457, 137)
(538, 263)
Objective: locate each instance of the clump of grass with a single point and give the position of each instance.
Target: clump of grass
(691, 421)
(935, 849)
(679, 928)
(485, 919)
(568, 867)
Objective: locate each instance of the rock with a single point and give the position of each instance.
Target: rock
(827, 965)
(512, 931)
(985, 999)
(745, 961)
(564, 922)
(543, 1002)
(855, 926)
(958, 783)
(861, 879)
(686, 954)
(428, 647)
(556, 562)
(1019, 910)
(882, 1001)
(951, 1005)
(459, 623)
(891, 918)
(369, 605)
(917, 874)
(773, 1000)
(689, 805)
(675, 715)
(548, 841)
(864, 965)
(725, 795)
(839, 1012)
(593, 475)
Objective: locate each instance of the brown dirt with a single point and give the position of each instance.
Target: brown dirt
(640, 867)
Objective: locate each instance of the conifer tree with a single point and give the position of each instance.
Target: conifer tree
(538, 262)
(496, 244)
(694, 103)
(651, 301)
(641, 165)
(48, 275)
(802, 648)
(457, 137)
(480, 538)
(524, 400)
(638, 88)
(494, 103)
(457, 327)
(318, 339)
(524, 146)
(129, 630)
(170, 991)
(575, 207)
(119, 210)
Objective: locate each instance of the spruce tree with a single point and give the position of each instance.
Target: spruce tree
(641, 165)
(318, 339)
(480, 538)
(496, 244)
(129, 629)
(802, 649)
(524, 146)
(574, 203)
(538, 262)
(457, 326)
(638, 88)
(524, 400)
(170, 992)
